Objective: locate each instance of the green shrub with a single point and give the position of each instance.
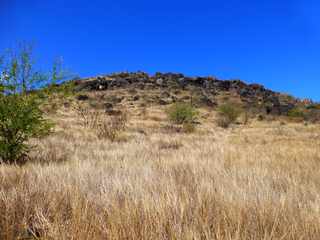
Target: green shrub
(296, 113)
(20, 120)
(227, 114)
(180, 113)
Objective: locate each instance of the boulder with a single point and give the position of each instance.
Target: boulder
(165, 101)
(238, 84)
(245, 92)
(119, 82)
(82, 97)
(113, 112)
(114, 99)
(222, 85)
(160, 81)
(92, 85)
(108, 106)
(136, 98)
(165, 94)
(286, 108)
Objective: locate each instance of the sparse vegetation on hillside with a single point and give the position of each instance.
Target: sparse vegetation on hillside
(296, 113)
(112, 126)
(243, 184)
(180, 113)
(228, 113)
(105, 126)
(257, 181)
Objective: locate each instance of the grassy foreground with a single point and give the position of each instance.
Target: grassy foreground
(259, 181)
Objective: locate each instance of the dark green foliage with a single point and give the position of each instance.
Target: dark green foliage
(181, 113)
(65, 89)
(20, 120)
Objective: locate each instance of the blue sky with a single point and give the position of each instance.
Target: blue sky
(275, 43)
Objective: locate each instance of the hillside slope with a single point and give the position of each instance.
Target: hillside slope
(202, 91)
(257, 179)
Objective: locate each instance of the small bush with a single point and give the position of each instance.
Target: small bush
(188, 127)
(180, 113)
(110, 128)
(20, 120)
(313, 116)
(104, 126)
(261, 117)
(296, 113)
(228, 114)
(88, 117)
(223, 122)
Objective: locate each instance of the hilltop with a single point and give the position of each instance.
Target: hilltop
(166, 88)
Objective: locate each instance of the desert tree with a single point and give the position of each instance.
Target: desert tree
(18, 70)
(21, 117)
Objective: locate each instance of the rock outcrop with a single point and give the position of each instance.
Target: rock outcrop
(206, 87)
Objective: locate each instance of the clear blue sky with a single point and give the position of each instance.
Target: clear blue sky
(275, 42)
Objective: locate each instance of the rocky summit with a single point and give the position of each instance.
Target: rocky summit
(204, 91)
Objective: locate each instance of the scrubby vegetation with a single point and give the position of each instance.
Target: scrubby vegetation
(103, 125)
(256, 181)
(296, 113)
(248, 183)
(181, 113)
(228, 113)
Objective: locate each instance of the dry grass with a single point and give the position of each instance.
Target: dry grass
(259, 181)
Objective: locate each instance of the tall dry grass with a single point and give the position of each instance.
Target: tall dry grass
(260, 181)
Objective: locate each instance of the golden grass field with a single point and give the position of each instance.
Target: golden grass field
(254, 181)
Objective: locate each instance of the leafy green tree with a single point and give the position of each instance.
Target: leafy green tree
(20, 115)
(20, 120)
(18, 73)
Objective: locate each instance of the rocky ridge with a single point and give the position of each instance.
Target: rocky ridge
(206, 90)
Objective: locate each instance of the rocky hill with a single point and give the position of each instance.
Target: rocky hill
(165, 88)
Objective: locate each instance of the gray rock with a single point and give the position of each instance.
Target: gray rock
(119, 82)
(165, 101)
(159, 81)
